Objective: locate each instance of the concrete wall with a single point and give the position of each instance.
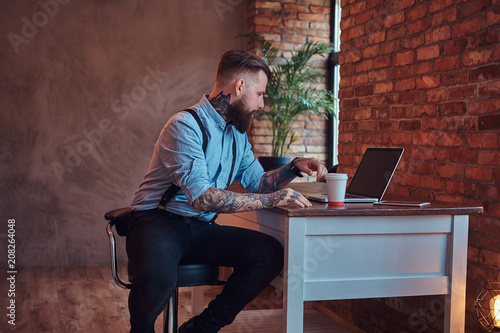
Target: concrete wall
(85, 89)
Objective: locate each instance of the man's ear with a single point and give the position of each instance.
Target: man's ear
(239, 87)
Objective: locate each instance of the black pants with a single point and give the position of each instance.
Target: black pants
(156, 242)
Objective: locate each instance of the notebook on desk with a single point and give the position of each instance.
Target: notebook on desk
(370, 181)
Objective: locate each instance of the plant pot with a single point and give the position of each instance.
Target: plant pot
(273, 162)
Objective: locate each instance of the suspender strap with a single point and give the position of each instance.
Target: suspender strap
(173, 189)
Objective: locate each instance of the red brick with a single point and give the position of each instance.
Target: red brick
(482, 140)
(465, 156)
(401, 139)
(293, 23)
(450, 139)
(455, 78)
(405, 85)
(414, 41)
(267, 4)
(354, 56)
(267, 21)
(429, 52)
(320, 10)
(397, 32)
(436, 95)
(382, 62)
(484, 106)
(411, 97)
(294, 7)
(424, 139)
(438, 34)
(489, 122)
(492, 18)
(445, 17)
(434, 124)
(447, 63)
(423, 67)
(491, 158)
(485, 73)
(489, 89)
(432, 183)
(476, 58)
(437, 5)
(404, 58)
(479, 174)
(449, 170)
(390, 47)
(427, 82)
(371, 51)
(418, 26)
(364, 90)
(347, 23)
(294, 39)
(377, 37)
(410, 125)
(426, 109)
(473, 7)
(363, 18)
(358, 7)
(466, 27)
(417, 12)
(455, 46)
(394, 19)
(382, 88)
(461, 93)
(311, 17)
(452, 109)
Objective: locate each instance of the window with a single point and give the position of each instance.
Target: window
(334, 79)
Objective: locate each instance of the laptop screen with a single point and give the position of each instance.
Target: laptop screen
(375, 172)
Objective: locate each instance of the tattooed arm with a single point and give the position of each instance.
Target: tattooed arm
(223, 201)
(270, 193)
(277, 179)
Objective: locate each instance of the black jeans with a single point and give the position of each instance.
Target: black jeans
(157, 241)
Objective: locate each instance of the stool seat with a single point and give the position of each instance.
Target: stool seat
(189, 274)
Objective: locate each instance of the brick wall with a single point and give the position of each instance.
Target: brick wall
(425, 75)
(288, 24)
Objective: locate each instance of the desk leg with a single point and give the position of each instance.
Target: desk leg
(293, 289)
(454, 318)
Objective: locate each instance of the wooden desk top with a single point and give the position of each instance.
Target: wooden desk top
(368, 209)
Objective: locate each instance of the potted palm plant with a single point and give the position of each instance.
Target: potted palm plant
(290, 93)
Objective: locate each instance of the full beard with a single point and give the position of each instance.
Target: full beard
(239, 115)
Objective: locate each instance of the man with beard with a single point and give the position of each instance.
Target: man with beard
(161, 234)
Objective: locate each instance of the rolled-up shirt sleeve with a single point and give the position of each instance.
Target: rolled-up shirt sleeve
(181, 151)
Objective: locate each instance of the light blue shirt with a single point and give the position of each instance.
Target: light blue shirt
(178, 158)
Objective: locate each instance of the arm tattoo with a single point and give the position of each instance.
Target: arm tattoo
(221, 104)
(275, 180)
(221, 201)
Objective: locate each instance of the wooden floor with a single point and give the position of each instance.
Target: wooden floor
(87, 300)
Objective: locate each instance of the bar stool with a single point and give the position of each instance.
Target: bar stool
(188, 274)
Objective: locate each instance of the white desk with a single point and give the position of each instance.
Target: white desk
(366, 251)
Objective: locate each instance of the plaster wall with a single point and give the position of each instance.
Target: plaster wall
(85, 88)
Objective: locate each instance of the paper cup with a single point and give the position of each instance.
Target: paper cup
(335, 186)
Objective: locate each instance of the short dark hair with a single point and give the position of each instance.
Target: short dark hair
(236, 61)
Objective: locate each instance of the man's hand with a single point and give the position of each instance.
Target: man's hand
(310, 165)
(289, 197)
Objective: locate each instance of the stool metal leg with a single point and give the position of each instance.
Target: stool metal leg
(170, 313)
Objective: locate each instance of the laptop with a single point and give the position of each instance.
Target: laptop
(369, 183)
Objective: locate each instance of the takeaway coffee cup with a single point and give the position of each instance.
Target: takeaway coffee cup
(335, 186)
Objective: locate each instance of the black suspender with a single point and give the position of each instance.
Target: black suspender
(173, 189)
